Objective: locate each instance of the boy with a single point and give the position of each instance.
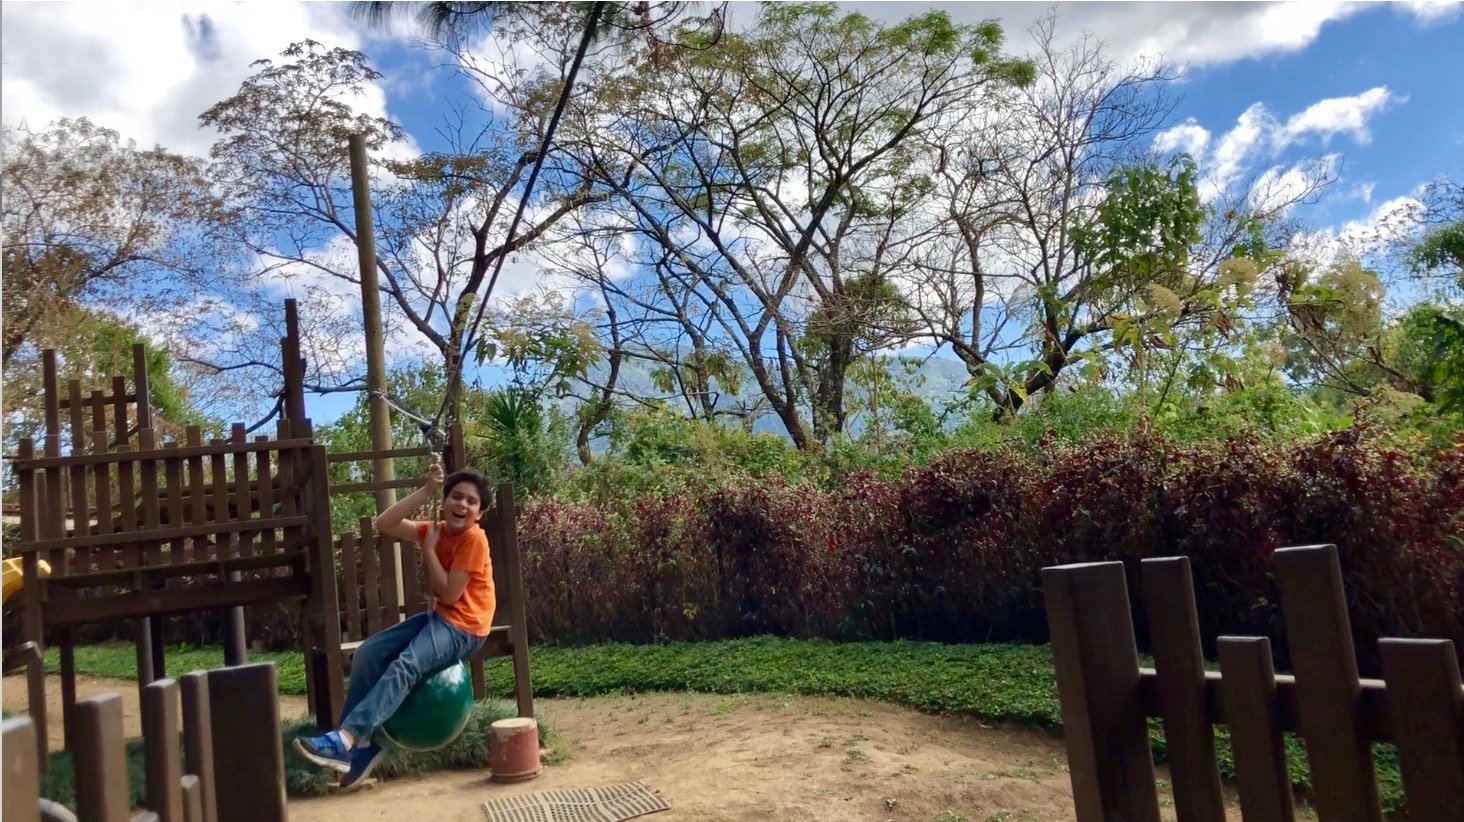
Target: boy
(386, 666)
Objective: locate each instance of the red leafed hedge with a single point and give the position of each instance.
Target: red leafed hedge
(952, 551)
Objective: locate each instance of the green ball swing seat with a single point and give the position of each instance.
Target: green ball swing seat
(434, 712)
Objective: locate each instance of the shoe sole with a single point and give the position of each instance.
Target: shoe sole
(342, 767)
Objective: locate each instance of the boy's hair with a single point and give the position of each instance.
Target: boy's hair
(472, 475)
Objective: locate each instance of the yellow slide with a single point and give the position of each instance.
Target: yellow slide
(15, 577)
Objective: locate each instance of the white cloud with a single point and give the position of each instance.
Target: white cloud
(1259, 137)
(1386, 224)
(149, 69)
(1189, 137)
(1248, 135)
(1428, 12)
(1194, 33)
(1338, 115)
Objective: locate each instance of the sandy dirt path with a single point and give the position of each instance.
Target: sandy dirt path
(733, 759)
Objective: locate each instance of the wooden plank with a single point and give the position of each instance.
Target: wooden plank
(242, 499)
(161, 731)
(214, 567)
(388, 564)
(1255, 729)
(53, 513)
(224, 447)
(289, 496)
(22, 780)
(198, 756)
(1189, 739)
(99, 398)
(158, 536)
(126, 481)
(80, 504)
(249, 770)
(375, 485)
(351, 587)
(151, 510)
(173, 471)
(266, 497)
(101, 761)
(219, 502)
(102, 481)
(1319, 639)
(1427, 706)
(370, 578)
(1097, 661)
(389, 453)
(1372, 704)
(197, 483)
(203, 595)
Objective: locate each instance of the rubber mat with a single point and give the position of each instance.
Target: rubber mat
(610, 803)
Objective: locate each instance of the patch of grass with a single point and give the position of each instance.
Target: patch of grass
(998, 683)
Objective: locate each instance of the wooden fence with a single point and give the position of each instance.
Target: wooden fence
(1107, 698)
(229, 767)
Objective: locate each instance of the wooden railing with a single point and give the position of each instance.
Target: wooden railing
(229, 767)
(1106, 700)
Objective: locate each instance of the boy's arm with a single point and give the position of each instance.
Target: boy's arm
(393, 522)
(448, 586)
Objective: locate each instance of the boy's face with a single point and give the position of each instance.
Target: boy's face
(461, 507)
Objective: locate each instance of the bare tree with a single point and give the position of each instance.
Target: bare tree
(768, 178)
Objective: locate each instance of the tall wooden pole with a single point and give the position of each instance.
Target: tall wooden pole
(380, 414)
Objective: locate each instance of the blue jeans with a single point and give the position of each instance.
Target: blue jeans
(390, 662)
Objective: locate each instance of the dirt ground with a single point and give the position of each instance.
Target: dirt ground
(734, 759)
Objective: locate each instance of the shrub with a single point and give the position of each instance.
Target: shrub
(952, 551)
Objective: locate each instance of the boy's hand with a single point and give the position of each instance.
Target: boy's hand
(434, 475)
(429, 542)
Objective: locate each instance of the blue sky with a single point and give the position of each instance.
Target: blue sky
(1373, 82)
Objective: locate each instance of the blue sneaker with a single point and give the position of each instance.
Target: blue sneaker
(328, 751)
(363, 762)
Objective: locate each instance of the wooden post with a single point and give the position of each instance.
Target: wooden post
(192, 799)
(1328, 691)
(101, 761)
(249, 761)
(1097, 663)
(198, 755)
(66, 640)
(1251, 711)
(324, 599)
(160, 736)
(22, 781)
(519, 629)
(31, 594)
(382, 468)
(1180, 669)
(1426, 707)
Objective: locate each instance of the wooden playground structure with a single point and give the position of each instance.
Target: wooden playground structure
(1107, 699)
(136, 529)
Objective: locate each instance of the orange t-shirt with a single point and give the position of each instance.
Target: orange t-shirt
(467, 551)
